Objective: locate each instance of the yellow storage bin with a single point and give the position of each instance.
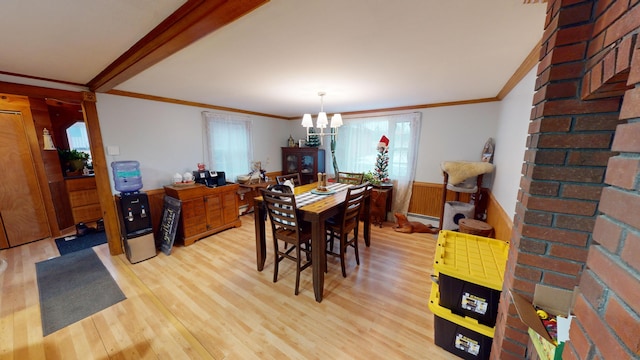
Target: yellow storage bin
(476, 259)
(470, 271)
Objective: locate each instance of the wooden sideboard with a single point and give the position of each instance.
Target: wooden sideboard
(248, 192)
(205, 211)
(83, 197)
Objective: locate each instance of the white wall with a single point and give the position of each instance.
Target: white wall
(447, 133)
(511, 137)
(453, 133)
(167, 138)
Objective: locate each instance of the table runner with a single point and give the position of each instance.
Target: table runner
(309, 198)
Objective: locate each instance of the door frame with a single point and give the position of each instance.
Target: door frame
(20, 103)
(87, 100)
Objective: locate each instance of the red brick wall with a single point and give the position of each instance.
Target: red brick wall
(578, 214)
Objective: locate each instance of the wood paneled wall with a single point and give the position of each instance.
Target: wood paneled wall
(498, 218)
(426, 199)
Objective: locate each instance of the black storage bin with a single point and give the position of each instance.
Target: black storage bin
(469, 299)
(470, 271)
(461, 341)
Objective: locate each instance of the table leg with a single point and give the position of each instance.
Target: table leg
(251, 203)
(259, 215)
(318, 253)
(367, 220)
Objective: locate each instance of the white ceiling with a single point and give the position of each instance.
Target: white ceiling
(365, 54)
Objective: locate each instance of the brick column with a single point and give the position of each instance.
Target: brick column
(608, 309)
(584, 63)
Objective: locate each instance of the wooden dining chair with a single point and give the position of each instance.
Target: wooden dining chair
(350, 178)
(295, 177)
(346, 222)
(287, 227)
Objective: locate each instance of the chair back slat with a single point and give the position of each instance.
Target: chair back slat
(280, 179)
(282, 209)
(350, 178)
(353, 204)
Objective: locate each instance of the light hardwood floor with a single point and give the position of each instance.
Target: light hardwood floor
(208, 301)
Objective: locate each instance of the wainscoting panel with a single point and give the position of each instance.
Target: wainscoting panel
(498, 218)
(426, 199)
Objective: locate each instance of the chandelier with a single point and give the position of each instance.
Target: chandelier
(321, 121)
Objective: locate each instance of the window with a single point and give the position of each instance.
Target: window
(78, 138)
(228, 143)
(356, 150)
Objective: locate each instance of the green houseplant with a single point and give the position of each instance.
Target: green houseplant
(72, 160)
(371, 178)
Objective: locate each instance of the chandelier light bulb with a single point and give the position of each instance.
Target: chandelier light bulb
(322, 121)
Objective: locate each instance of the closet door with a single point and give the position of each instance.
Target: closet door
(22, 212)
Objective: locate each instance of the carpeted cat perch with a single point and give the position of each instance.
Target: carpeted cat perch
(462, 177)
(459, 171)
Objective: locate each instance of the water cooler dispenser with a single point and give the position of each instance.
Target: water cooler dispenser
(133, 212)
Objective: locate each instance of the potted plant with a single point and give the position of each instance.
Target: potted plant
(371, 178)
(73, 160)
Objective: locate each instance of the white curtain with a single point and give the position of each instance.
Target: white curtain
(228, 143)
(356, 150)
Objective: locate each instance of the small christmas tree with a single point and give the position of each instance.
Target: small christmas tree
(314, 140)
(382, 160)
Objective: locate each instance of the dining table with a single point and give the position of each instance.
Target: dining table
(315, 208)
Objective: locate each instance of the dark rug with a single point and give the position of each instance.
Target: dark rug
(73, 287)
(71, 243)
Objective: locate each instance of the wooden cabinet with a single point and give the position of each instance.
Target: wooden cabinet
(248, 192)
(205, 210)
(307, 161)
(381, 200)
(83, 198)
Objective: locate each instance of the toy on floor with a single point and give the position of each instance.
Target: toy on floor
(406, 226)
